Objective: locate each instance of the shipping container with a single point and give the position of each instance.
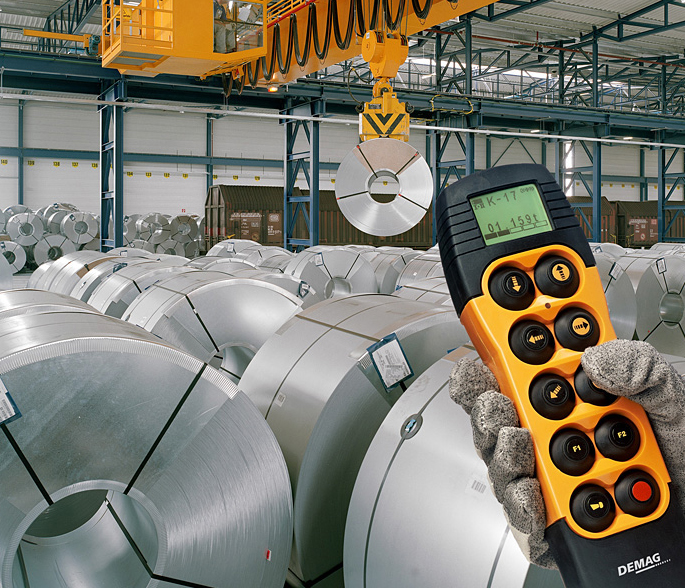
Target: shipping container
(583, 209)
(256, 213)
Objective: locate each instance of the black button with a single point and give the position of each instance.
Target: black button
(572, 452)
(593, 508)
(576, 329)
(512, 288)
(617, 438)
(552, 397)
(531, 342)
(637, 493)
(590, 393)
(556, 276)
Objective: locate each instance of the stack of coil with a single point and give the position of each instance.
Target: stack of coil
(127, 462)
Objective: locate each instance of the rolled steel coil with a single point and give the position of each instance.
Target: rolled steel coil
(80, 227)
(334, 272)
(429, 290)
(661, 304)
(183, 229)
(189, 311)
(114, 295)
(666, 247)
(611, 249)
(226, 265)
(54, 221)
(93, 278)
(620, 295)
(4, 217)
(50, 248)
(636, 263)
(25, 229)
(456, 533)
(154, 228)
(192, 249)
(272, 259)
(426, 265)
(388, 265)
(144, 245)
(93, 245)
(231, 247)
(27, 301)
(15, 255)
(135, 464)
(316, 384)
(69, 268)
(171, 247)
(384, 159)
(131, 227)
(17, 209)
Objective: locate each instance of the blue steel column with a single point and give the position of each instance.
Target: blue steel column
(597, 193)
(468, 34)
(112, 169)
(20, 158)
(661, 193)
(210, 151)
(317, 108)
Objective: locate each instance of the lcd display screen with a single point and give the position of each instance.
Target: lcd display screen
(510, 214)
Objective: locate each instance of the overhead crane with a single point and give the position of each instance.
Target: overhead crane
(275, 43)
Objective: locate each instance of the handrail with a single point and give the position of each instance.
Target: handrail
(283, 8)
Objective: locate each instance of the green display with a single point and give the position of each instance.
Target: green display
(510, 214)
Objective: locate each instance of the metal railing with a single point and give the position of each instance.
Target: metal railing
(151, 24)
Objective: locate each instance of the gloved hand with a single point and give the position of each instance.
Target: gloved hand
(625, 368)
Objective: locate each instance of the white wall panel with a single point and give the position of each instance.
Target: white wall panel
(164, 132)
(173, 195)
(249, 138)
(45, 183)
(9, 125)
(53, 126)
(8, 182)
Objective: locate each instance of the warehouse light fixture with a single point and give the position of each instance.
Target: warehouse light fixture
(630, 138)
(427, 76)
(536, 131)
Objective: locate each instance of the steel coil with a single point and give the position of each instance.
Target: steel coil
(334, 272)
(620, 295)
(131, 227)
(661, 304)
(114, 295)
(189, 311)
(422, 512)
(25, 229)
(388, 265)
(17, 209)
(147, 467)
(426, 265)
(140, 244)
(50, 248)
(171, 247)
(273, 259)
(226, 265)
(154, 228)
(191, 249)
(231, 247)
(104, 270)
(389, 160)
(27, 301)
(80, 227)
(429, 290)
(316, 383)
(636, 263)
(15, 255)
(44, 276)
(183, 228)
(611, 249)
(4, 217)
(53, 222)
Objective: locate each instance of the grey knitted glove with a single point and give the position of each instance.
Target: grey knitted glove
(628, 368)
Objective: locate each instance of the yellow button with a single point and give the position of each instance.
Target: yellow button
(581, 326)
(561, 272)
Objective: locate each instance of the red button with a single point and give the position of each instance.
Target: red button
(642, 491)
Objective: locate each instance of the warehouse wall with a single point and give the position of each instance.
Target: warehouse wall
(175, 188)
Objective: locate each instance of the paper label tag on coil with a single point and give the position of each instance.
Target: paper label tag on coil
(390, 361)
(318, 259)
(8, 409)
(616, 271)
(476, 486)
(230, 247)
(661, 265)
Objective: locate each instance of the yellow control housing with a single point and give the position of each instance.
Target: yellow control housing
(489, 325)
